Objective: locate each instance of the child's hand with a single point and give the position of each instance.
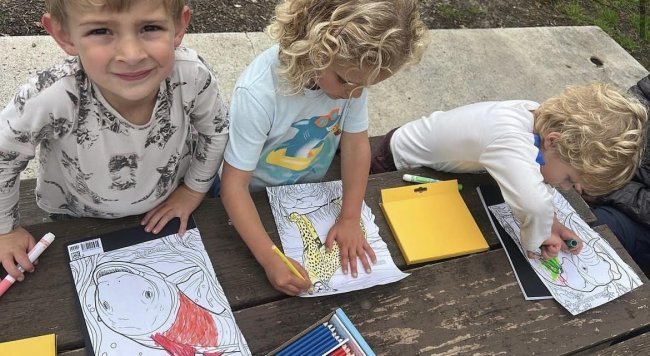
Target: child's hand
(564, 234)
(14, 247)
(352, 244)
(180, 204)
(283, 279)
(552, 246)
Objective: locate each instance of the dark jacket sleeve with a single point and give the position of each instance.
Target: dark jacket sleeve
(642, 90)
(634, 198)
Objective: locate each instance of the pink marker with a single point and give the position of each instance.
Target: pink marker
(33, 255)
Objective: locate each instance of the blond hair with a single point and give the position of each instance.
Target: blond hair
(371, 34)
(601, 131)
(57, 8)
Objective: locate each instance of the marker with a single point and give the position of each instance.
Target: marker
(571, 243)
(417, 179)
(40, 246)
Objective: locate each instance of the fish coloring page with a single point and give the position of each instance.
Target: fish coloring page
(304, 214)
(580, 282)
(156, 297)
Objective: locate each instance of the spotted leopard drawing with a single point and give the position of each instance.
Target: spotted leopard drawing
(320, 264)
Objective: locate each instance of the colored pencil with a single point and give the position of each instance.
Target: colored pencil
(307, 339)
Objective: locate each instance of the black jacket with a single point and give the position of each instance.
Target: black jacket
(634, 198)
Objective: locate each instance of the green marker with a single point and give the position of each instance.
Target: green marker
(571, 243)
(417, 179)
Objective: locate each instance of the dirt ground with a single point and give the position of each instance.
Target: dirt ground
(22, 17)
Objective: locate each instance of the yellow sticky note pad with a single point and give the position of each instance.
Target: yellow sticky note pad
(40, 345)
(431, 221)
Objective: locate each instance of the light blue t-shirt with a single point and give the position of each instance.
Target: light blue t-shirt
(286, 139)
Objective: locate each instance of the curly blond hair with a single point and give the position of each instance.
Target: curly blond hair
(57, 8)
(371, 34)
(602, 133)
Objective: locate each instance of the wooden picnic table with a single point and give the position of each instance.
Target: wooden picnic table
(470, 304)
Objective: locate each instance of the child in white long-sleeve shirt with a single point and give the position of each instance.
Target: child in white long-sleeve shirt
(590, 137)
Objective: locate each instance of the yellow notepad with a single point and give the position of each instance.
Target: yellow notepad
(40, 345)
(431, 221)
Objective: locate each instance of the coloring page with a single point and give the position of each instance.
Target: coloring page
(304, 214)
(579, 282)
(157, 297)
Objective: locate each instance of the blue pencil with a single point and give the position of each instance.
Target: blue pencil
(319, 339)
(321, 347)
(305, 339)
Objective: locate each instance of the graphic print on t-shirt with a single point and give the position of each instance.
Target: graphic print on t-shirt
(304, 149)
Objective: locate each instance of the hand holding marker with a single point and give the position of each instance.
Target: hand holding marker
(417, 179)
(40, 246)
(571, 244)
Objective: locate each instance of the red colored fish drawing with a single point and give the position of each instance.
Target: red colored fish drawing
(148, 307)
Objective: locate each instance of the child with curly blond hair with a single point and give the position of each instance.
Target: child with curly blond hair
(590, 137)
(298, 100)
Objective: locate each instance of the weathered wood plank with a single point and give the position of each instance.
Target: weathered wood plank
(639, 345)
(76, 352)
(471, 304)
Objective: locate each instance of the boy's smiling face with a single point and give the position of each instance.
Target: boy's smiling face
(126, 54)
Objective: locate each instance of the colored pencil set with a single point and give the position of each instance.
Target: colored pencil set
(321, 340)
(334, 335)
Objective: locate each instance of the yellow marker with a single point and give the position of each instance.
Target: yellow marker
(287, 262)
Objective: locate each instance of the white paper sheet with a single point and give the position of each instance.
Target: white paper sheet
(594, 277)
(154, 296)
(304, 213)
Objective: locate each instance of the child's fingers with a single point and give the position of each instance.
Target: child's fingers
(10, 266)
(364, 261)
(289, 289)
(329, 240)
(343, 257)
(533, 256)
(23, 260)
(352, 260)
(303, 284)
(370, 252)
(183, 227)
(550, 251)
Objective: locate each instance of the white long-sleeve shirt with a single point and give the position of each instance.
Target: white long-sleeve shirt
(496, 137)
(92, 161)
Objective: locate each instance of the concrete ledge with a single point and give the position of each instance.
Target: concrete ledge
(459, 67)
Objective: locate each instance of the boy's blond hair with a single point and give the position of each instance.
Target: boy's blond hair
(371, 34)
(602, 134)
(57, 8)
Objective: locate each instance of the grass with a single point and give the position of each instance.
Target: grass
(620, 19)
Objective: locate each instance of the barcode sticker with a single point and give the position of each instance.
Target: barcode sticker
(85, 249)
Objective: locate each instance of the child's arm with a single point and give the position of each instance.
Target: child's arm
(209, 117)
(355, 165)
(14, 247)
(237, 200)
